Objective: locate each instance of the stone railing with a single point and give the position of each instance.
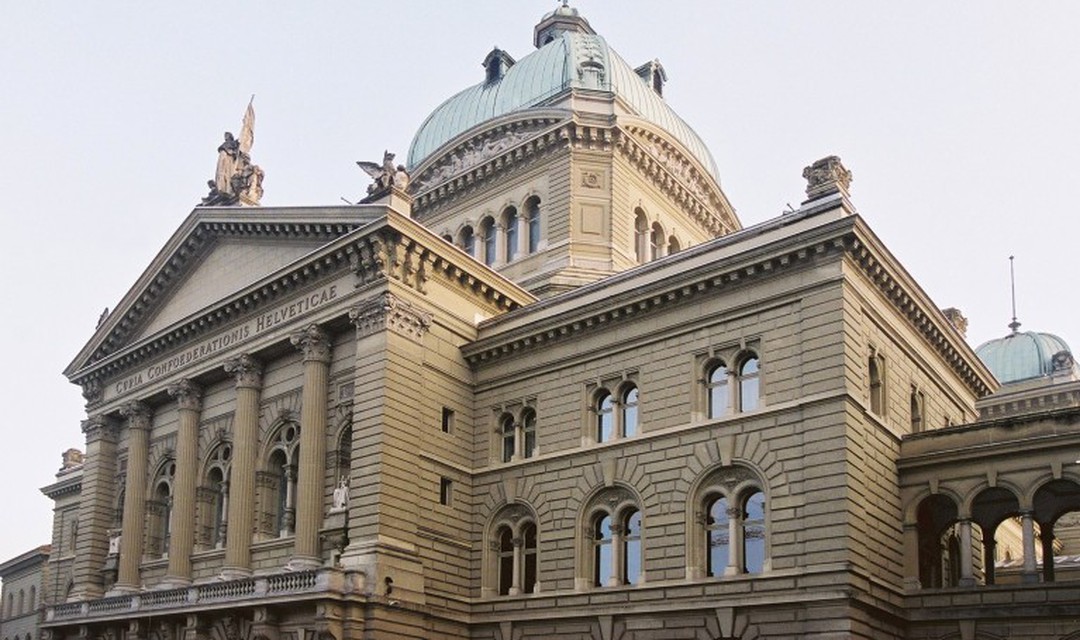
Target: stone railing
(198, 596)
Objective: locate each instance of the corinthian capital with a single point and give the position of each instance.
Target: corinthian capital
(387, 311)
(188, 395)
(247, 371)
(313, 343)
(137, 414)
(98, 428)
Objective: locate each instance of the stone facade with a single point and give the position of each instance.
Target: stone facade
(554, 389)
(24, 586)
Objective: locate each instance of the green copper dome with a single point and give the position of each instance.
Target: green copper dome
(568, 60)
(1022, 355)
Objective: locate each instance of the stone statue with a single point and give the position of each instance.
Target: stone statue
(341, 495)
(114, 542)
(385, 175)
(236, 179)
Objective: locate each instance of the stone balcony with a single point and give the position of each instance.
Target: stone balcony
(254, 591)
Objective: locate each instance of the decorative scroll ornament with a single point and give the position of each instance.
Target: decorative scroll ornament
(92, 390)
(313, 343)
(825, 177)
(97, 428)
(247, 371)
(387, 311)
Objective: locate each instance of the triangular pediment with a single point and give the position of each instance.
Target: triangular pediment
(215, 252)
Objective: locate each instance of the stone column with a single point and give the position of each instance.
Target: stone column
(989, 554)
(735, 548)
(182, 518)
(515, 577)
(522, 222)
(618, 555)
(96, 506)
(1030, 572)
(314, 344)
(131, 541)
(240, 517)
(967, 574)
(911, 557)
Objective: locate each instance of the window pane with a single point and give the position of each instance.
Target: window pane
(507, 439)
(604, 422)
(489, 243)
(506, 560)
(632, 549)
(534, 225)
(529, 534)
(748, 393)
(718, 391)
(630, 413)
(511, 224)
(717, 537)
(603, 561)
(754, 533)
(529, 427)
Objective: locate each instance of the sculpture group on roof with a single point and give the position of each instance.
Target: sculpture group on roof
(236, 180)
(385, 175)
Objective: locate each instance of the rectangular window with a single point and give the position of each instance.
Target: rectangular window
(447, 420)
(446, 491)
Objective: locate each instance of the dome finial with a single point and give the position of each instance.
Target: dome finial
(1015, 324)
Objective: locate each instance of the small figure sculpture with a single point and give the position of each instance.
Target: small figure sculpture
(228, 152)
(114, 542)
(341, 495)
(385, 175)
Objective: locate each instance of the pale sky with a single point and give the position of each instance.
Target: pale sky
(958, 120)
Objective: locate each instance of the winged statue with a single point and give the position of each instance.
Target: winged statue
(385, 175)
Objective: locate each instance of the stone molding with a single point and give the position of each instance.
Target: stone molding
(313, 343)
(247, 370)
(188, 395)
(387, 311)
(388, 256)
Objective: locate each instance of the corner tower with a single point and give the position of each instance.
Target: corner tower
(565, 166)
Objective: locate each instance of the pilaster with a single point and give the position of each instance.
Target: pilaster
(95, 507)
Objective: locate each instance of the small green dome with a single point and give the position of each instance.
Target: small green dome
(1025, 355)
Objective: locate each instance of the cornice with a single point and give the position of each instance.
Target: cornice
(392, 247)
(661, 291)
(922, 315)
(678, 175)
(64, 487)
(474, 161)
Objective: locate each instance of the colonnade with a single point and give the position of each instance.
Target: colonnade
(315, 347)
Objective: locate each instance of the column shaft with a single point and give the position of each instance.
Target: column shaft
(734, 542)
(182, 523)
(515, 577)
(1029, 573)
(315, 345)
(96, 506)
(241, 498)
(131, 541)
(967, 575)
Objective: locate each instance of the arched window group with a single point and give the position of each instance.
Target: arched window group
(517, 434)
(730, 514)
(277, 482)
(729, 390)
(514, 547)
(615, 415)
(614, 553)
(650, 240)
(875, 370)
(514, 233)
(214, 497)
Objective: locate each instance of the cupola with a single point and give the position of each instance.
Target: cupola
(564, 19)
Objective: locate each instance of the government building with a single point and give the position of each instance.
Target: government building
(543, 383)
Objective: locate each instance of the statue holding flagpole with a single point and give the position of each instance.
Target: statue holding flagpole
(236, 180)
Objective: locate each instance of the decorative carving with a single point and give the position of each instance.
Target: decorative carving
(99, 427)
(247, 371)
(385, 175)
(1062, 362)
(387, 311)
(591, 180)
(92, 390)
(236, 179)
(313, 343)
(114, 541)
(137, 414)
(825, 177)
(188, 395)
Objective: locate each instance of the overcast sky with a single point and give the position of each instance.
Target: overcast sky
(958, 120)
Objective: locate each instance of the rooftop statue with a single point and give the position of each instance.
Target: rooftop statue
(385, 175)
(236, 179)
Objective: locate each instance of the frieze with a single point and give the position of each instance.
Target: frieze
(240, 334)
